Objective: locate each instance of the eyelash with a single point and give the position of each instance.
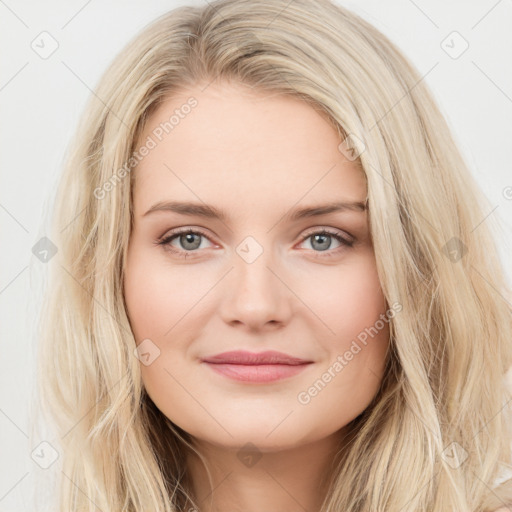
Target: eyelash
(165, 242)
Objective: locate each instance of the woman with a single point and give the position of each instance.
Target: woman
(271, 292)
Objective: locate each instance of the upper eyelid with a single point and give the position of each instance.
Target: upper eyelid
(184, 231)
(329, 231)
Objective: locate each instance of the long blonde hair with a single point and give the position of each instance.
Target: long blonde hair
(437, 434)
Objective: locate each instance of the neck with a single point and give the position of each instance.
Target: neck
(250, 480)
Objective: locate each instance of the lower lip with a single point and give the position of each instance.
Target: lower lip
(257, 372)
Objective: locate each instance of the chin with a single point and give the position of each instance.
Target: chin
(265, 437)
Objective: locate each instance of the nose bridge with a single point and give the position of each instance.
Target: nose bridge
(252, 261)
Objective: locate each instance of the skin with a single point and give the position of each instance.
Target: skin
(256, 156)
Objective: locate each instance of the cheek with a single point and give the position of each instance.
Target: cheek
(161, 299)
(157, 295)
(352, 306)
(156, 300)
(355, 354)
(347, 299)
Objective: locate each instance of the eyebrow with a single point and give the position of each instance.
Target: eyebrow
(207, 211)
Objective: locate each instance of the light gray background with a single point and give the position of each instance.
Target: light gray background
(41, 100)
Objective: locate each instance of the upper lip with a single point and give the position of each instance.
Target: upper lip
(251, 358)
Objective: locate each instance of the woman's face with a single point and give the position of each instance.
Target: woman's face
(256, 276)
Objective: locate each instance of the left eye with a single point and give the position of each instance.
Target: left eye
(190, 241)
(322, 239)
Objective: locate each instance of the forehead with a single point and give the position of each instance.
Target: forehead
(239, 144)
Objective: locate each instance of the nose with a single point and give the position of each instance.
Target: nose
(255, 296)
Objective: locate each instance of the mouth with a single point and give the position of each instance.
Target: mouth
(260, 367)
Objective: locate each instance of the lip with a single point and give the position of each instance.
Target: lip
(265, 366)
